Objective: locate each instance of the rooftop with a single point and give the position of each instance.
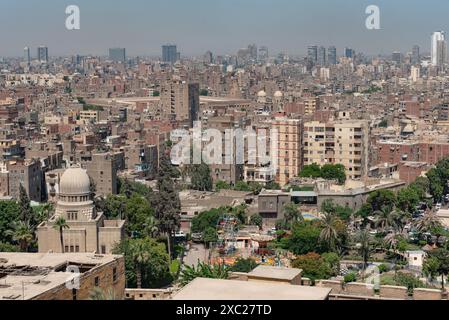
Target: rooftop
(218, 289)
(24, 276)
(275, 272)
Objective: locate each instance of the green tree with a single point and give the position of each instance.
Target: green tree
(242, 186)
(206, 219)
(313, 266)
(311, 171)
(244, 265)
(364, 246)
(26, 212)
(381, 199)
(59, 225)
(210, 235)
(440, 257)
(333, 261)
(430, 267)
(291, 213)
(9, 213)
(201, 177)
(304, 238)
(334, 172)
(428, 222)
(222, 185)
(256, 220)
(329, 233)
(22, 233)
(408, 198)
(203, 270)
(166, 202)
(146, 263)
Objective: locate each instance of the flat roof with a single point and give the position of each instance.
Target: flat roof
(219, 289)
(28, 275)
(275, 272)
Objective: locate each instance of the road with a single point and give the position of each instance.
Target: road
(196, 252)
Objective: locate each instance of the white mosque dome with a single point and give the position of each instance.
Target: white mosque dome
(75, 181)
(278, 94)
(261, 94)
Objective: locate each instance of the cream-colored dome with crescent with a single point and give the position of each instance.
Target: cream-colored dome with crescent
(75, 181)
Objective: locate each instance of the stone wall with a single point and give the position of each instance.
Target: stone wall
(394, 292)
(147, 294)
(104, 275)
(355, 290)
(427, 294)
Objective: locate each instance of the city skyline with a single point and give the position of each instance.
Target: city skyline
(223, 28)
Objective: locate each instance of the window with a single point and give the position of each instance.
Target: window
(114, 274)
(97, 281)
(103, 249)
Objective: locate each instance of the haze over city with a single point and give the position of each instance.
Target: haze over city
(222, 26)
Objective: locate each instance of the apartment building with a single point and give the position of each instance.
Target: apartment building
(180, 101)
(289, 151)
(27, 173)
(343, 142)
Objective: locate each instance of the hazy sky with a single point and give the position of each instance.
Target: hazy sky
(222, 26)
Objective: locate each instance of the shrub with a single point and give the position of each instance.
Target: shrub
(350, 277)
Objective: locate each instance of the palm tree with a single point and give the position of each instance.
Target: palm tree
(151, 226)
(22, 233)
(203, 270)
(386, 219)
(59, 225)
(329, 233)
(428, 222)
(291, 213)
(364, 246)
(140, 256)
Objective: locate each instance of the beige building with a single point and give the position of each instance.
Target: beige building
(289, 138)
(102, 169)
(343, 142)
(311, 105)
(50, 276)
(180, 101)
(88, 231)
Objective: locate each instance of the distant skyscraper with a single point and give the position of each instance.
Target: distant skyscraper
(349, 53)
(416, 59)
(332, 55)
(252, 48)
(42, 54)
(169, 53)
(396, 57)
(263, 53)
(321, 56)
(27, 55)
(117, 54)
(209, 57)
(312, 53)
(438, 42)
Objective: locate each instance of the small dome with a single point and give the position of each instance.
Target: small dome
(278, 94)
(261, 94)
(75, 181)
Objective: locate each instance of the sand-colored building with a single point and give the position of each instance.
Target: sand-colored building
(56, 276)
(88, 231)
(289, 151)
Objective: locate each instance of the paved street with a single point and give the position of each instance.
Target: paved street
(196, 252)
